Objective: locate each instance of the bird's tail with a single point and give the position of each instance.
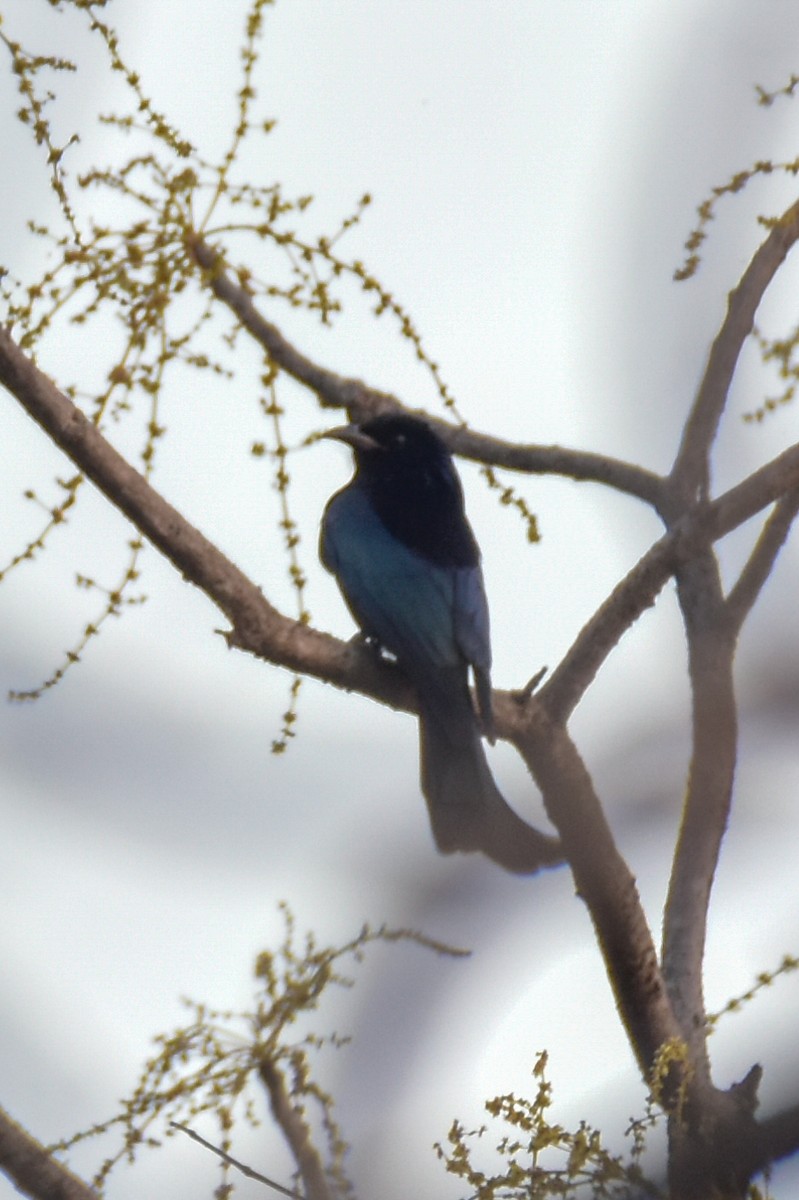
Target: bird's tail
(467, 809)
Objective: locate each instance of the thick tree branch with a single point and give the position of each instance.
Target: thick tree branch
(603, 881)
(712, 626)
(716, 1147)
(706, 808)
(258, 627)
(32, 1168)
(361, 401)
(719, 1148)
(291, 1122)
(691, 471)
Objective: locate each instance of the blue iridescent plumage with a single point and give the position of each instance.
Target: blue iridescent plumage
(399, 544)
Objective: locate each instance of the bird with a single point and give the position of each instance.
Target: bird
(398, 542)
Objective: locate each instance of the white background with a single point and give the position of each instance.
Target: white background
(535, 169)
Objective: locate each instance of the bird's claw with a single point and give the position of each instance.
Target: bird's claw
(367, 642)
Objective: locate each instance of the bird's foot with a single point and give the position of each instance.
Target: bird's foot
(369, 643)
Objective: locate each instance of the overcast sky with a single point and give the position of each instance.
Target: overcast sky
(535, 169)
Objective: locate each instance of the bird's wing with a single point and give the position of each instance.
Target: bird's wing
(395, 595)
(472, 632)
(471, 617)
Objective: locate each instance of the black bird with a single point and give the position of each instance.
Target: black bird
(399, 544)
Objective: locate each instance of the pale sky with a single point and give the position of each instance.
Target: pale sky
(535, 170)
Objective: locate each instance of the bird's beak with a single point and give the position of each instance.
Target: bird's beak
(353, 435)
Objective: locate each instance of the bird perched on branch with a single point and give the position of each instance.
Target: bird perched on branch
(399, 544)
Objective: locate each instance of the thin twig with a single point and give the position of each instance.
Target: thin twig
(234, 1162)
(760, 563)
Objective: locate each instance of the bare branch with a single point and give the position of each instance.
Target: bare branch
(761, 561)
(638, 591)
(765, 485)
(691, 472)
(712, 626)
(361, 401)
(603, 881)
(290, 1120)
(711, 650)
(33, 1170)
(582, 465)
(640, 587)
(234, 1162)
(711, 629)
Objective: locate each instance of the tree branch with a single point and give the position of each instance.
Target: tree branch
(249, 1172)
(362, 401)
(640, 587)
(706, 808)
(691, 471)
(712, 626)
(638, 591)
(258, 627)
(761, 561)
(530, 459)
(291, 1122)
(33, 1169)
(603, 881)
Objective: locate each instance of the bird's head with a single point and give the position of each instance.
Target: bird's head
(410, 478)
(393, 441)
